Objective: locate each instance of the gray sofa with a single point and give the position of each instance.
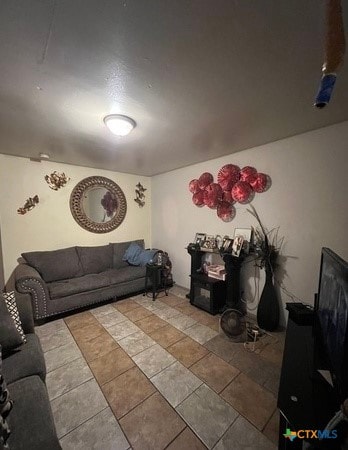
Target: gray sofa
(63, 280)
(30, 421)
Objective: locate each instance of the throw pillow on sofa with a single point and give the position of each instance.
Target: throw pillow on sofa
(10, 337)
(11, 304)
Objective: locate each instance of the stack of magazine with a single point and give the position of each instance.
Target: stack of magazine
(217, 271)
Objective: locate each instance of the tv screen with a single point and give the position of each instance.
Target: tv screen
(332, 311)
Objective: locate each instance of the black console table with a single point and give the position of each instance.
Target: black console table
(210, 294)
(305, 401)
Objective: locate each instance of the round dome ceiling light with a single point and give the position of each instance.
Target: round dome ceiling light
(119, 125)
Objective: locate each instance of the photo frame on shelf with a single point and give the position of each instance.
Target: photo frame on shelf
(237, 245)
(246, 233)
(200, 238)
(226, 244)
(209, 245)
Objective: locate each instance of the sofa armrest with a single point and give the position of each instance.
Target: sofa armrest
(29, 281)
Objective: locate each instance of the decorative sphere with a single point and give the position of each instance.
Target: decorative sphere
(205, 179)
(194, 186)
(248, 174)
(242, 192)
(212, 195)
(197, 198)
(228, 175)
(226, 211)
(259, 184)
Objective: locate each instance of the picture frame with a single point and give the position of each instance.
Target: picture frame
(237, 245)
(200, 238)
(226, 245)
(209, 243)
(247, 234)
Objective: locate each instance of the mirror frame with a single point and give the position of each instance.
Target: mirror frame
(78, 213)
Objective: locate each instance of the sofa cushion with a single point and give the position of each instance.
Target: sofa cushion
(95, 259)
(56, 264)
(31, 420)
(10, 338)
(89, 282)
(26, 361)
(124, 274)
(119, 249)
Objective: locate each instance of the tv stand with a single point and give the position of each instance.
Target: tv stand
(305, 400)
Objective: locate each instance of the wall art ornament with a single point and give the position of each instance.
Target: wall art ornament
(30, 203)
(139, 195)
(234, 185)
(56, 180)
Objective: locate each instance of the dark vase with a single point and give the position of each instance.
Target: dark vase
(268, 308)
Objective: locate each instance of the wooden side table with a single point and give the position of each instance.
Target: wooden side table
(156, 276)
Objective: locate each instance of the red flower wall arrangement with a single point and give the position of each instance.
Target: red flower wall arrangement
(233, 185)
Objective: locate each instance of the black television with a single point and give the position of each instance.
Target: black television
(331, 308)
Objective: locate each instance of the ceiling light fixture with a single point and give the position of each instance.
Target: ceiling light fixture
(119, 125)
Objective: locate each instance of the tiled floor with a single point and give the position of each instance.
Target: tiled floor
(138, 374)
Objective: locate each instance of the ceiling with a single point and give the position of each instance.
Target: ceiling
(202, 78)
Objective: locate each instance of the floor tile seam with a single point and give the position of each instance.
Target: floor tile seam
(183, 418)
(238, 414)
(205, 382)
(229, 427)
(170, 406)
(76, 386)
(194, 339)
(59, 367)
(131, 356)
(106, 328)
(241, 372)
(166, 348)
(187, 426)
(243, 414)
(80, 349)
(82, 423)
(59, 345)
(135, 406)
(183, 331)
(87, 339)
(256, 428)
(105, 315)
(270, 417)
(66, 363)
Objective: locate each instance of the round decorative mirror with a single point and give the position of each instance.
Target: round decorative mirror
(98, 204)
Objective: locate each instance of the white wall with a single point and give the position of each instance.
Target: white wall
(307, 200)
(50, 225)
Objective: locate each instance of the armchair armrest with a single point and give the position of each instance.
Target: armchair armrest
(29, 281)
